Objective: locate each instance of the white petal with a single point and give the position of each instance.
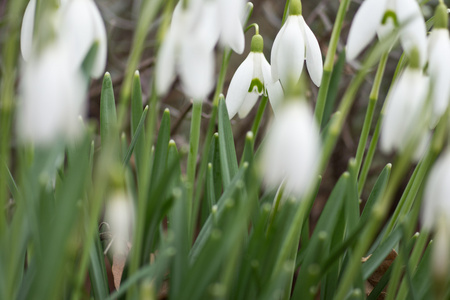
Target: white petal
(274, 89)
(165, 64)
(414, 33)
(404, 111)
(247, 105)
(77, 30)
(436, 191)
(232, 34)
(239, 86)
(439, 70)
(292, 149)
(52, 96)
(100, 37)
(365, 23)
(205, 31)
(290, 54)
(26, 33)
(313, 55)
(274, 53)
(196, 70)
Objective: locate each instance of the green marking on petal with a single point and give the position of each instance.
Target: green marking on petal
(390, 15)
(256, 83)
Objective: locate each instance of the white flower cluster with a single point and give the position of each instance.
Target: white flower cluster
(53, 85)
(188, 47)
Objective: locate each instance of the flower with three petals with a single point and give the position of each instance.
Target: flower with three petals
(252, 79)
(295, 43)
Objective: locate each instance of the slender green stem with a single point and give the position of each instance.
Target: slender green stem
(329, 61)
(192, 160)
(369, 156)
(259, 114)
(373, 98)
(285, 12)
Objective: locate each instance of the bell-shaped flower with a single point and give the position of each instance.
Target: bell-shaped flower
(436, 199)
(294, 43)
(252, 79)
(292, 149)
(405, 119)
(79, 25)
(439, 62)
(382, 16)
(188, 49)
(52, 97)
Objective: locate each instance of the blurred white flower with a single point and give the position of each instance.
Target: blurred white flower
(406, 113)
(252, 79)
(231, 13)
(294, 43)
(292, 149)
(439, 62)
(82, 26)
(188, 48)
(436, 201)
(51, 97)
(119, 215)
(78, 24)
(382, 16)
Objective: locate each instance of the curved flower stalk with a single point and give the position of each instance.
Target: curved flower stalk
(79, 25)
(382, 17)
(406, 113)
(439, 62)
(294, 43)
(252, 79)
(52, 97)
(292, 149)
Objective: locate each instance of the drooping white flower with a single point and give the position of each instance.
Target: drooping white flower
(406, 114)
(439, 62)
(78, 24)
(252, 79)
(294, 43)
(82, 26)
(436, 201)
(52, 97)
(382, 16)
(292, 149)
(188, 49)
(119, 215)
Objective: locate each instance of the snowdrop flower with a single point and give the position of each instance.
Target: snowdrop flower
(79, 25)
(52, 97)
(252, 79)
(188, 48)
(292, 149)
(436, 201)
(405, 115)
(435, 213)
(119, 215)
(382, 16)
(293, 44)
(439, 62)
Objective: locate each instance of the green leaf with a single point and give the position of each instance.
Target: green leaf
(97, 271)
(108, 117)
(228, 160)
(136, 117)
(136, 137)
(310, 269)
